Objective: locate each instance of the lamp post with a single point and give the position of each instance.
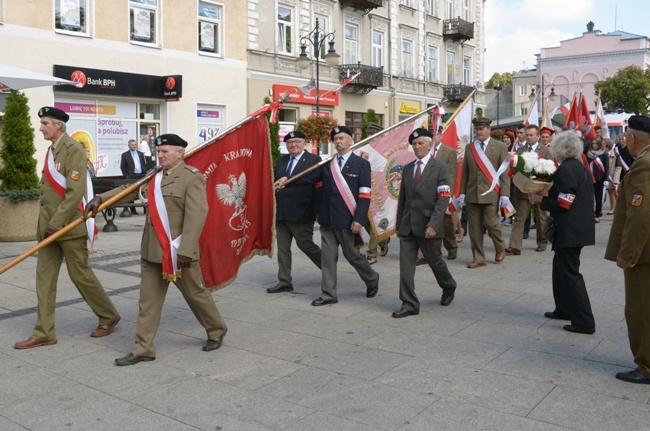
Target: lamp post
(316, 38)
(498, 89)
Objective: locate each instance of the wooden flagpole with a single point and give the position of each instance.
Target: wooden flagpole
(457, 111)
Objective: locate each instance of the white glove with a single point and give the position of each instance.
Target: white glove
(504, 201)
(461, 200)
(606, 183)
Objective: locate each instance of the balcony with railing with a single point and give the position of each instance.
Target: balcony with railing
(458, 30)
(456, 93)
(364, 5)
(369, 78)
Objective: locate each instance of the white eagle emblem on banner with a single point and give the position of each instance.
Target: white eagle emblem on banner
(234, 194)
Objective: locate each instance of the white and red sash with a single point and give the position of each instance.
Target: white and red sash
(599, 164)
(160, 221)
(624, 165)
(348, 197)
(59, 184)
(486, 167)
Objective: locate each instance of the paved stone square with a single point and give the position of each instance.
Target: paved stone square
(489, 361)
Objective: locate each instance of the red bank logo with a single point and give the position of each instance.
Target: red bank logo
(170, 83)
(78, 76)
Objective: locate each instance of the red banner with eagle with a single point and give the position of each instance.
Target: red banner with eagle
(239, 185)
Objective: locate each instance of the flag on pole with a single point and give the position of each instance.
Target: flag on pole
(306, 89)
(457, 134)
(343, 84)
(585, 118)
(533, 112)
(572, 116)
(600, 119)
(241, 214)
(388, 154)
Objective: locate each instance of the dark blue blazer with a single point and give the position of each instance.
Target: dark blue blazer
(297, 204)
(333, 210)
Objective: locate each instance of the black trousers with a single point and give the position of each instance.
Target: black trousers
(569, 290)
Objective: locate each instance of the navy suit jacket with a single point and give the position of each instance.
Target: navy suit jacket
(333, 210)
(297, 204)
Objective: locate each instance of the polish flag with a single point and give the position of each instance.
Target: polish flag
(457, 135)
(586, 120)
(573, 118)
(533, 113)
(600, 119)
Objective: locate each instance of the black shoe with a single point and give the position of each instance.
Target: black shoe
(279, 288)
(513, 251)
(403, 312)
(446, 299)
(556, 315)
(132, 359)
(633, 376)
(572, 328)
(525, 235)
(371, 292)
(320, 301)
(211, 345)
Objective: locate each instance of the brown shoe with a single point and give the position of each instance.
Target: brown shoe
(500, 256)
(421, 261)
(452, 255)
(30, 343)
(473, 265)
(384, 248)
(104, 330)
(541, 248)
(211, 345)
(372, 260)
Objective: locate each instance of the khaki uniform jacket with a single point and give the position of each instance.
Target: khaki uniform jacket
(542, 151)
(186, 202)
(55, 210)
(448, 156)
(630, 234)
(474, 182)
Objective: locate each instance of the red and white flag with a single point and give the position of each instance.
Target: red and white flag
(533, 113)
(457, 135)
(241, 215)
(343, 84)
(600, 119)
(585, 118)
(572, 117)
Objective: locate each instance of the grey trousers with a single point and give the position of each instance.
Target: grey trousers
(303, 233)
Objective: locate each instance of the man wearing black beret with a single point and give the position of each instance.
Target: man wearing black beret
(184, 202)
(295, 210)
(63, 186)
(629, 246)
(343, 213)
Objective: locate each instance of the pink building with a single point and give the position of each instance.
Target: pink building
(588, 59)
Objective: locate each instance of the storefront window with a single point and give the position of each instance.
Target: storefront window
(144, 21)
(149, 111)
(71, 16)
(210, 27)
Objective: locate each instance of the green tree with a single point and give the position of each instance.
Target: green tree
(18, 175)
(370, 117)
(501, 79)
(274, 133)
(627, 90)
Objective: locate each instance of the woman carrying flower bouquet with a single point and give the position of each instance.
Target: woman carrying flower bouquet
(570, 203)
(599, 162)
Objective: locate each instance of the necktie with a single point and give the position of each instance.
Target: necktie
(290, 166)
(418, 173)
(483, 146)
(528, 148)
(341, 162)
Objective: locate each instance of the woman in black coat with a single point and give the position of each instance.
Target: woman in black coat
(571, 202)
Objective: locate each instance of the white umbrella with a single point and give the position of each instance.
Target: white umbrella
(14, 78)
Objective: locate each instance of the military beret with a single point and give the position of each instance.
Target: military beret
(294, 134)
(481, 121)
(374, 127)
(546, 130)
(639, 122)
(56, 113)
(340, 129)
(510, 133)
(170, 139)
(418, 133)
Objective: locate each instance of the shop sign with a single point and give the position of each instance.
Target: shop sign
(327, 97)
(408, 109)
(172, 87)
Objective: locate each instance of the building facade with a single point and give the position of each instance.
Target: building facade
(145, 66)
(409, 54)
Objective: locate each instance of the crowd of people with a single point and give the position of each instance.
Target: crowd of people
(337, 195)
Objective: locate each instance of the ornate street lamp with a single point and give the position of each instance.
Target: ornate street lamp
(317, 40)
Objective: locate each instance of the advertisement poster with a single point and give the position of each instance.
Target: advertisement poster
(103, 128)
(209, 120)
(71, 13)
(141, 24)
(207, 36)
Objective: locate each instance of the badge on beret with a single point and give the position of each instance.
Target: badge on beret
(336, 130)
(637, 200)
(415, 134)
(292, 135)
(75, 175)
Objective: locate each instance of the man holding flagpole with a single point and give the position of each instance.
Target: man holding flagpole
(342, 215)
(63, 187)
(170, 250)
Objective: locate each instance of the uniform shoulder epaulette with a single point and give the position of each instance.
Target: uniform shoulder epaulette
(192, 169)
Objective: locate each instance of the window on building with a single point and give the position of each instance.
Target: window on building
(467, 71)
(432, 63)
(466, 10)
(210, 26)
(144, 18)
(351, 44)
(430, 7)
(408, 3)
(323, 26)
(353, 121)
(69, 16)
(524, 110)
(523, 90)
(377, 49)
(285, 29)
(407, 58)
(451, 67)
(450, 9)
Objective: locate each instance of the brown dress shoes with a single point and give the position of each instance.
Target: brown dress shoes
(30, 343)
(104, 330)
